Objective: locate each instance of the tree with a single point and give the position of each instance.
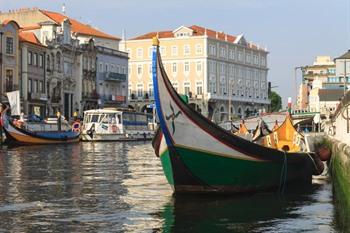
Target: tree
(276, 101)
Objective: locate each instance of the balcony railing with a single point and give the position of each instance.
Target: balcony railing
(113, 76)
(37, 96)
(113, 98)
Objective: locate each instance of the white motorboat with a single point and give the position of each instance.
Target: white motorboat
(112, 124)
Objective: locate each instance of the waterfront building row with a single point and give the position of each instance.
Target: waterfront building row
(324, 83)
(60, 64)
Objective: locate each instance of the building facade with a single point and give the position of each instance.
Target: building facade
(223, 75)
(33, 74)
(59, 58)
(32, 17)
(321, 74)
(9, 57)
(89, 92)
(112, 80)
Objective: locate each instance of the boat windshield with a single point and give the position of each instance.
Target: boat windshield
(108, 118)
(94, 118)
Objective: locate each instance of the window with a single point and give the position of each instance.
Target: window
(222, 52)
(222, 68)
(35, 59)
(212, 85)
(139, 90)
(187, 89)
(9, 45)
(150, 68)
(199, 88)
(36, 86)
(256, 60)
(263, 61)
(212, 66)
(231, 54)
(199, 66)
(240, 56)
(187, 66)
(174, 50)
(212, 50)
(186, 49)
(199, 49)
(150, 52)
(30, 86)
(139, 69)
(9, 80)
(41, 86)
(106, 67)
(101, 67)
(162, 50)
(174, 67)
(30, 58)
(150, 89)
(139, 53)
(247, 58)
(40, 60)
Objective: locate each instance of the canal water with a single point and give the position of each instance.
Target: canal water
(120, 187)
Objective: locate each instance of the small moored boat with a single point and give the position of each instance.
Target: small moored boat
(198, 156)
(18, 133)
(116, 125)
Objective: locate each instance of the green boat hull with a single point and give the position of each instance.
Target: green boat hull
(188, 170)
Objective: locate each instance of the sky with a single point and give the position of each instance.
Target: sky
(294, 31)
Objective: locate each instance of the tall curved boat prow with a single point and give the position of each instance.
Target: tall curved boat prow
(200, 157)
(18, 135)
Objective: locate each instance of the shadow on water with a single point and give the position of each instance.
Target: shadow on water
(265, 212)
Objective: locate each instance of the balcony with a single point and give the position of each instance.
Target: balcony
(113, 98)
(37, 96)
(91, 95)
(116, 77)
(55, 99)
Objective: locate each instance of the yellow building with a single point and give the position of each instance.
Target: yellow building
(216, 70)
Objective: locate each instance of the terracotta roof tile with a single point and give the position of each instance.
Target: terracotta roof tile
(197, 31)
(161, 34)
(29, 37)
(78, 27)
(30, 27)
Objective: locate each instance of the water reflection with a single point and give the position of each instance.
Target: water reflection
(120, 187)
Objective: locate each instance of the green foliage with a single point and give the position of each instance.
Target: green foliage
(276, 101)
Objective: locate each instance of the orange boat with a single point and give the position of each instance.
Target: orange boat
(285, 137)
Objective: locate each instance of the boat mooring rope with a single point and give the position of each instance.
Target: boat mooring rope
(283, 177)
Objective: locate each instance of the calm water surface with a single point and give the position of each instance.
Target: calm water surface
(120, 187)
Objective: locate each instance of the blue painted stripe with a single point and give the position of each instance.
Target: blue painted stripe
(157, 100)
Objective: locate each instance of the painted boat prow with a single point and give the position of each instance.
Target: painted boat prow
(199, 156)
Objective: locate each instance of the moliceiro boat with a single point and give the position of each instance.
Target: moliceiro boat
(116, 125)
(198, 156)
(20, 133)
